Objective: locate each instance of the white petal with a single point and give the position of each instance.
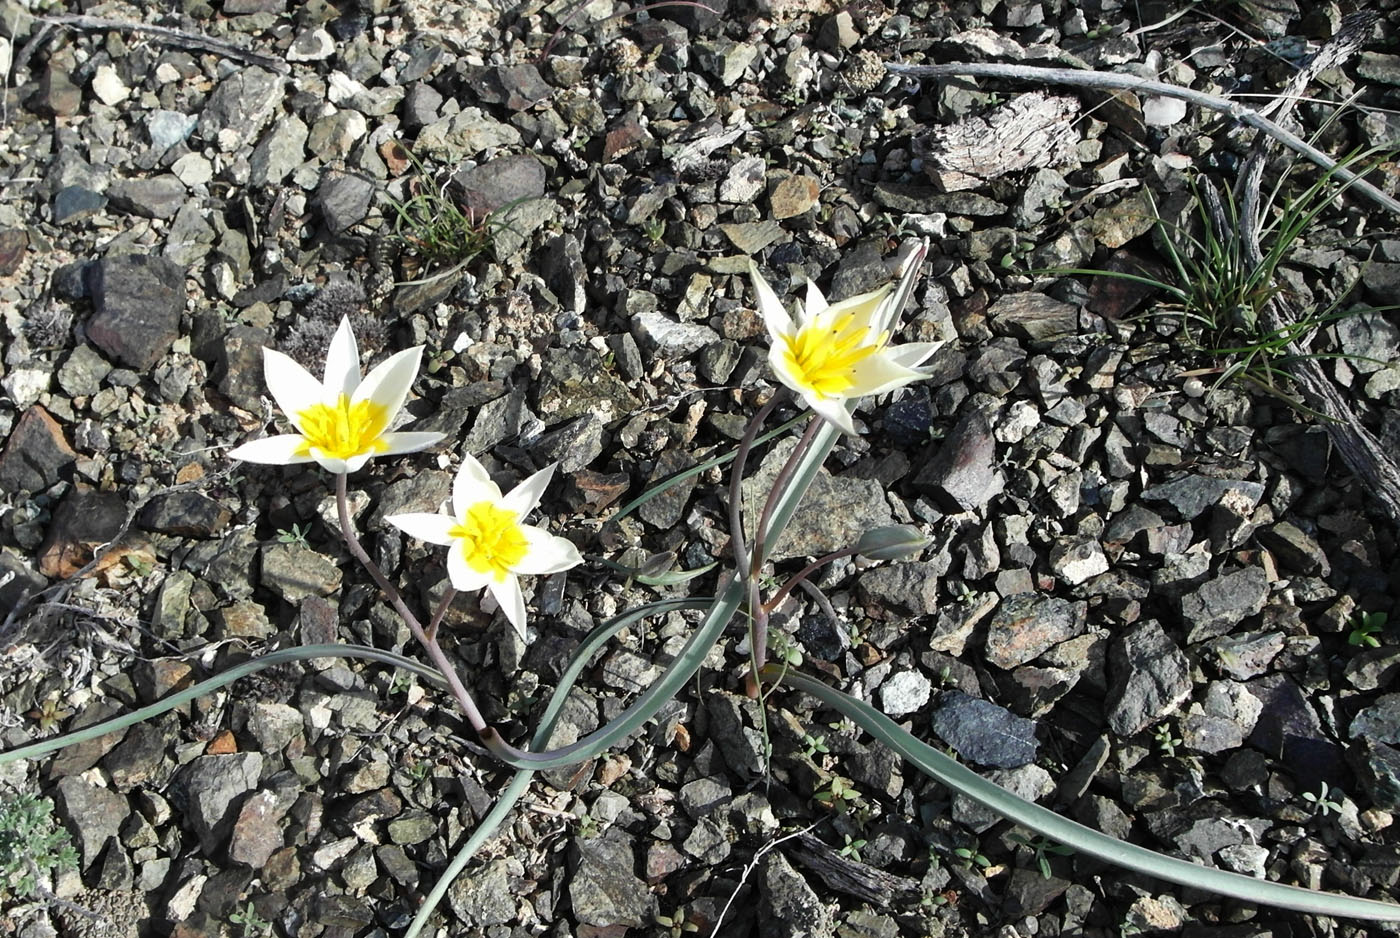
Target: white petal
(546, 553)
(913, 354)
(511, 600)
(816, 302)
(273, 450)
(408, 442)
(897, 300)
(472, 484)
(291, 386)
(425, 526)
(775, 318)
(833, 410)
(526, 496)
(878, 374)
(864, 307)
(335, 465)
(387, 385)
(463, 577)
(342, 361)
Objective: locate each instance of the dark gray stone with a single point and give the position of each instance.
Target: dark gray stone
(963, 474)
(137, 302)
(1380, 721)
(76, 203)
(36, 455)
(901, 590)
(1289, 730)
(603, 888)
(157, 197)
(499, 182)
(1150, 678)
(1033, 316)
(188, 514)
(1193, 494)
(92, 814)
(787, 906)
(343, 199)
(236, 111)
(982, 732)
(209, 790)
(1296, 551)
(1224, 602)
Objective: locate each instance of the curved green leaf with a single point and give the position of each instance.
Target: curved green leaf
(1076, 836)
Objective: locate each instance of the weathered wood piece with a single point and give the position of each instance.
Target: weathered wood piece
(1032, 131)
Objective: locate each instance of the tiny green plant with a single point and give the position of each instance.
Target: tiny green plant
(1043, 848)
(296, 535)
(434, 227)
(839, 794)
(31, 846)
(1366, 629)
(1167, 740)
(677, 924)
(1324, 800)
(50, 713)
(654, 229)
(249, 921)
(813, 745)
(852, 848)
(970, 858)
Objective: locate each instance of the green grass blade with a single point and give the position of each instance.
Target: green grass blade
(1078, 837)
(228, 676)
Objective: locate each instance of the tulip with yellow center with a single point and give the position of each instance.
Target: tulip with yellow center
(341, 421)
(833, 353)
(488, 544)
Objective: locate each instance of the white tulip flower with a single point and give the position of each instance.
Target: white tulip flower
(834, 353)
(341, 421)
(489, 546)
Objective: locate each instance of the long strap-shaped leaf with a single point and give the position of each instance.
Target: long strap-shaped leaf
(271, 659)
(1083, 839)
(519, 782)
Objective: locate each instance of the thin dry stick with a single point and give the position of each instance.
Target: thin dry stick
(170, 37)
(1115, 81)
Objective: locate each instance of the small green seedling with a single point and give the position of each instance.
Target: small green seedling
(1166, 740)
(1044, 848)
(1366, 626)
(852, 848)
(970, 858)
(814, 745)
(249, 921)
(31, 845)
(296, 535)
(1324, 801)
(677, 924)
(839, 794)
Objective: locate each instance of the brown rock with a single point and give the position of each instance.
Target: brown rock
(13, 243)
(793, 195)
(35, 454)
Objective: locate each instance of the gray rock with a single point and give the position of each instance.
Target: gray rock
(735, 734)
(156, 197)
(1380, 721)
(603, 889)
(1075, 559)
(17, 579)
(904, 692)
(1224, 602)
(76, 203)
(92, 814)
(1033, 316)
(257, 832)
(787, 906)
(666, 509)
(137, 302)
(273, 724)
(833, 515)
(574, 445)
(1027, 625)
(1382, 281)
(295, 573)
(485, 897)
(237, 109)
(500, 182)
(343, 199)
(1247, 655)
(1289, 729)
(81, 375)
(188, 514)
(901, 590)
(1297, 552)
(963, 474)
(280, 151)
(464, 134)
(172, 604)
(1373, 668)
(1223, 721)
(140, 757)
(209, 788)
(55, 94)
(1377, 765)
(167, 128)
(704, 795)
(657, 332)
(1150, 678)
(1193, 494)
(982, 732)
(190, 236)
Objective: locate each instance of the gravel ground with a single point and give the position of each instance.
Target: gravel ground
(1155, 599)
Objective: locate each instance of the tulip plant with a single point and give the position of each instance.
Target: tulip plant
(831, 356)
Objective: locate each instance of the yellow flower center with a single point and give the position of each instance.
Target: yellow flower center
(491, 539)
(342, 430)
(823, 356)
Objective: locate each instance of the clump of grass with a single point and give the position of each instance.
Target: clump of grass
(435, 228)
(1217, 294)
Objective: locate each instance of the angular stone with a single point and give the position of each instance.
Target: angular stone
(137, 302)
(963, 473)
(1033, 316)
(900, 590)
(1150, 678)
(157, 197)
(982, 732)
(1224, 602)
(210, 787)
(787, 906)
(603, 889)
(188, 514)
(92, 814)
(295, 573)
(1193, 494)
(237, 109)
(36, 453)
(281, 150)
(500, 182)
(1027, 625)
